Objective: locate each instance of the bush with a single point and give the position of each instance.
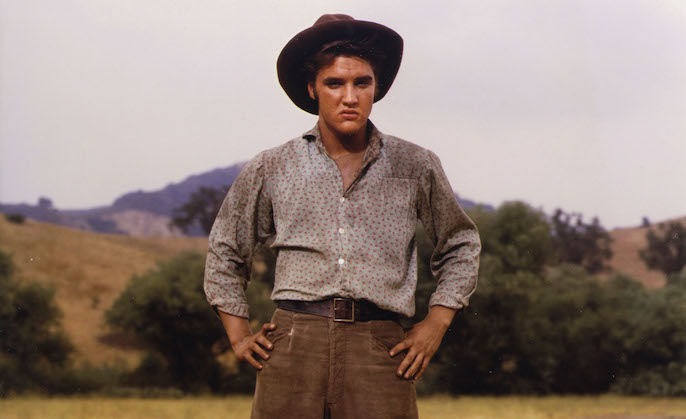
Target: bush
(565, 332)
(166, 307)
(89, 378)
(34, 349)
(15, 218)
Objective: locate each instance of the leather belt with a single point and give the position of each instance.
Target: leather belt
(340, 309)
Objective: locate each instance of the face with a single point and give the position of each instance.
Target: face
(345, 93)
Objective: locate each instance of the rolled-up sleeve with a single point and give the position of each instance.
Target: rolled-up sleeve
(244, 221)
(455, 260)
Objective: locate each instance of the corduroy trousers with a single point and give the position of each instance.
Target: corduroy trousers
(319, 368)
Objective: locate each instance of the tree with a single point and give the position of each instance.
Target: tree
(33, 348)
(577, 242)
(200, 210)
(45, 203)
(666, 248)
(167, 309)
(515, 236)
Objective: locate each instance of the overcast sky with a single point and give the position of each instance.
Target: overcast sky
(572, 104)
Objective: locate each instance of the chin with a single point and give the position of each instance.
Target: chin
(350, 128)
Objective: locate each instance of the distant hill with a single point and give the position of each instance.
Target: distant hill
(164, 201)
(141, 213)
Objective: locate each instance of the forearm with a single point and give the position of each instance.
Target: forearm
(455, 265)
(226, 276)
(237, 328)
(243, 222)
(455, 259)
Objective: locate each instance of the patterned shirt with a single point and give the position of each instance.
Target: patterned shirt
(356, 243)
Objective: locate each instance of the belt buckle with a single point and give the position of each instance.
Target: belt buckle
(339, 307)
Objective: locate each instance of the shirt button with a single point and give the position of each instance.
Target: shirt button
(341, 230)
(342, 199)
(341, 261)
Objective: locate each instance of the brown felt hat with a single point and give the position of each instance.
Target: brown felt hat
(329, 28)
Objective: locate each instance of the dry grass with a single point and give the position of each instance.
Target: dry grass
(88, 271)
(429, 408)
(551, 407)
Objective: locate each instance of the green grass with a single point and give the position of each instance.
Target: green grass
(236, 407)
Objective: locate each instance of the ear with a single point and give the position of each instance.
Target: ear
(310, 90)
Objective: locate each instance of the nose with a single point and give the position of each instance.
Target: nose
(349, 95)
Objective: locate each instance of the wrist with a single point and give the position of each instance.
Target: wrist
(441, 316)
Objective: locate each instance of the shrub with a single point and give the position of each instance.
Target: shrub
(34, 349)
(15, 218)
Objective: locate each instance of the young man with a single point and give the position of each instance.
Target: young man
(340, 203)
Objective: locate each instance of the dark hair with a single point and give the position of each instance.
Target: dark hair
(360, 48)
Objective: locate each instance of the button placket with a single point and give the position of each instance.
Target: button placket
(341, 236)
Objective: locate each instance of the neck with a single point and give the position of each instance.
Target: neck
(337, 144)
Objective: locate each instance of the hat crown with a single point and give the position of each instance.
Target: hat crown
(332, 18)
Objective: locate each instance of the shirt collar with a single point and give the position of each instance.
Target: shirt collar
(376, 139)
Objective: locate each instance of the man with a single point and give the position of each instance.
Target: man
(340, 203)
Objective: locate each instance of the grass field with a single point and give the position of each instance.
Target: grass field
(235, 407)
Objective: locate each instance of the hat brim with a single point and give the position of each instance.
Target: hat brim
(293, 78)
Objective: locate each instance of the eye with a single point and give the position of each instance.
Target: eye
(363, 83)
(333, 84)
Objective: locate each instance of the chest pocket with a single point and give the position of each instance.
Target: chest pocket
(398, 199)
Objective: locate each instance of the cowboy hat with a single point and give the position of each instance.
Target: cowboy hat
(329, 28)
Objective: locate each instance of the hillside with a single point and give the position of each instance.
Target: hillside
(88, 271)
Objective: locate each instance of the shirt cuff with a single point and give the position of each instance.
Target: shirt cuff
(235, 309)
(455, 302)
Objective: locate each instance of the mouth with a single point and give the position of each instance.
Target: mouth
(349, 114)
